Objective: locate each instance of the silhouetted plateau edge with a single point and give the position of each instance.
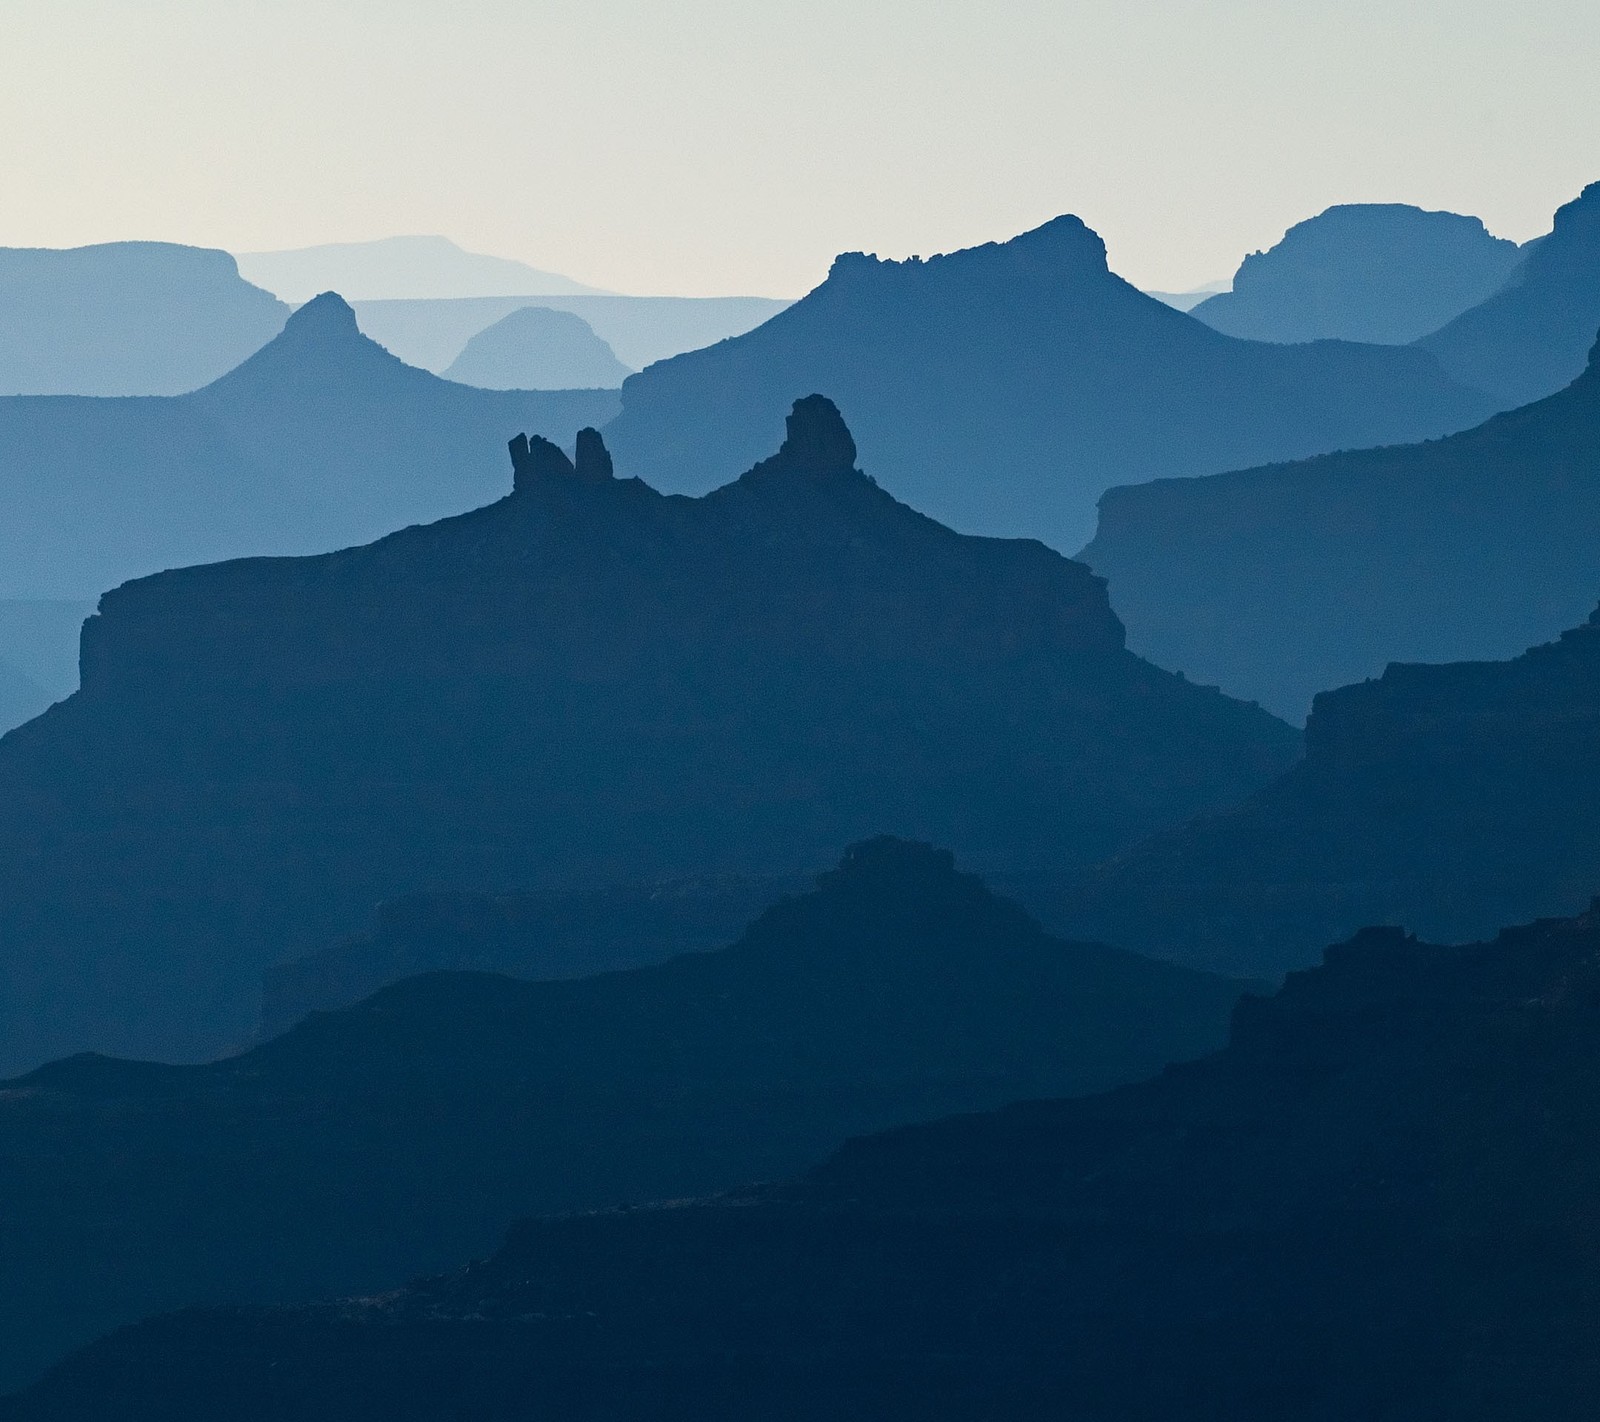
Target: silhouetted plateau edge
(1375, 1201)
(405, 1133)
(1450, 799)
(1280, 582)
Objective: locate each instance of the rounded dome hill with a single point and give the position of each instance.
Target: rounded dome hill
(536, 348)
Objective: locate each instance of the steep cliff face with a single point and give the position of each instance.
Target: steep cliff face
(1376, 1202)
(407, 1132)
(585, 683)
(1281, 582)
(1447, 799)
(1002, 389)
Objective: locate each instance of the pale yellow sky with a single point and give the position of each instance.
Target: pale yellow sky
(706, 146)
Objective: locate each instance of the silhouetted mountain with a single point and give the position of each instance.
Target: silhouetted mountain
(538, 349)
(1449, 799)
(126, 318)
(403, 267)
(585, 683)
(320, 439)
(1531, 338)
(1383, 272)
(1003, 388)
(406, 1133)
(1281, 582)
(639, 329)
(541, 936)
(1376, 1203)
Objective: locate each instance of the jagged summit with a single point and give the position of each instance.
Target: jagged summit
(323, 316)
(1067, 243)
(1001, 389)
(535, 459)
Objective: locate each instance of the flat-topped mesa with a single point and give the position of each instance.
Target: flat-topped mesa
(536, 458)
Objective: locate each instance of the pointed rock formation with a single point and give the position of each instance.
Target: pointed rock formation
(586, 683)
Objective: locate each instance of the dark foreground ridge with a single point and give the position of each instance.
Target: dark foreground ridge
(1002, 389)
(406, 1133)
(1448, 799)
(1281, 582)
(585, 683)
(1375, 1203)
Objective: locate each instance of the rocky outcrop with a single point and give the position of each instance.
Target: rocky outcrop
(406, 1132)
(586, 683)
(1002, 389)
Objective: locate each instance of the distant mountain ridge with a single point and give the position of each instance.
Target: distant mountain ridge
(1278, 583)
(399, 267)
(535, 348)
(1032, 369)
(1381, 272)
(126, 318)
(1375, 1202)
(408, 1131)
(587, 682)
(318, 440)
(1531, 338)
(639, 329)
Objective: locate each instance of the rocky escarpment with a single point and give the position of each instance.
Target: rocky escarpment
(1375, 1202)
(405, 1133)
(586, 683)
(1447, 799)
(1281, 582)
(1003, 388)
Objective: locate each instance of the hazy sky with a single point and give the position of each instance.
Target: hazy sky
(706, 146)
